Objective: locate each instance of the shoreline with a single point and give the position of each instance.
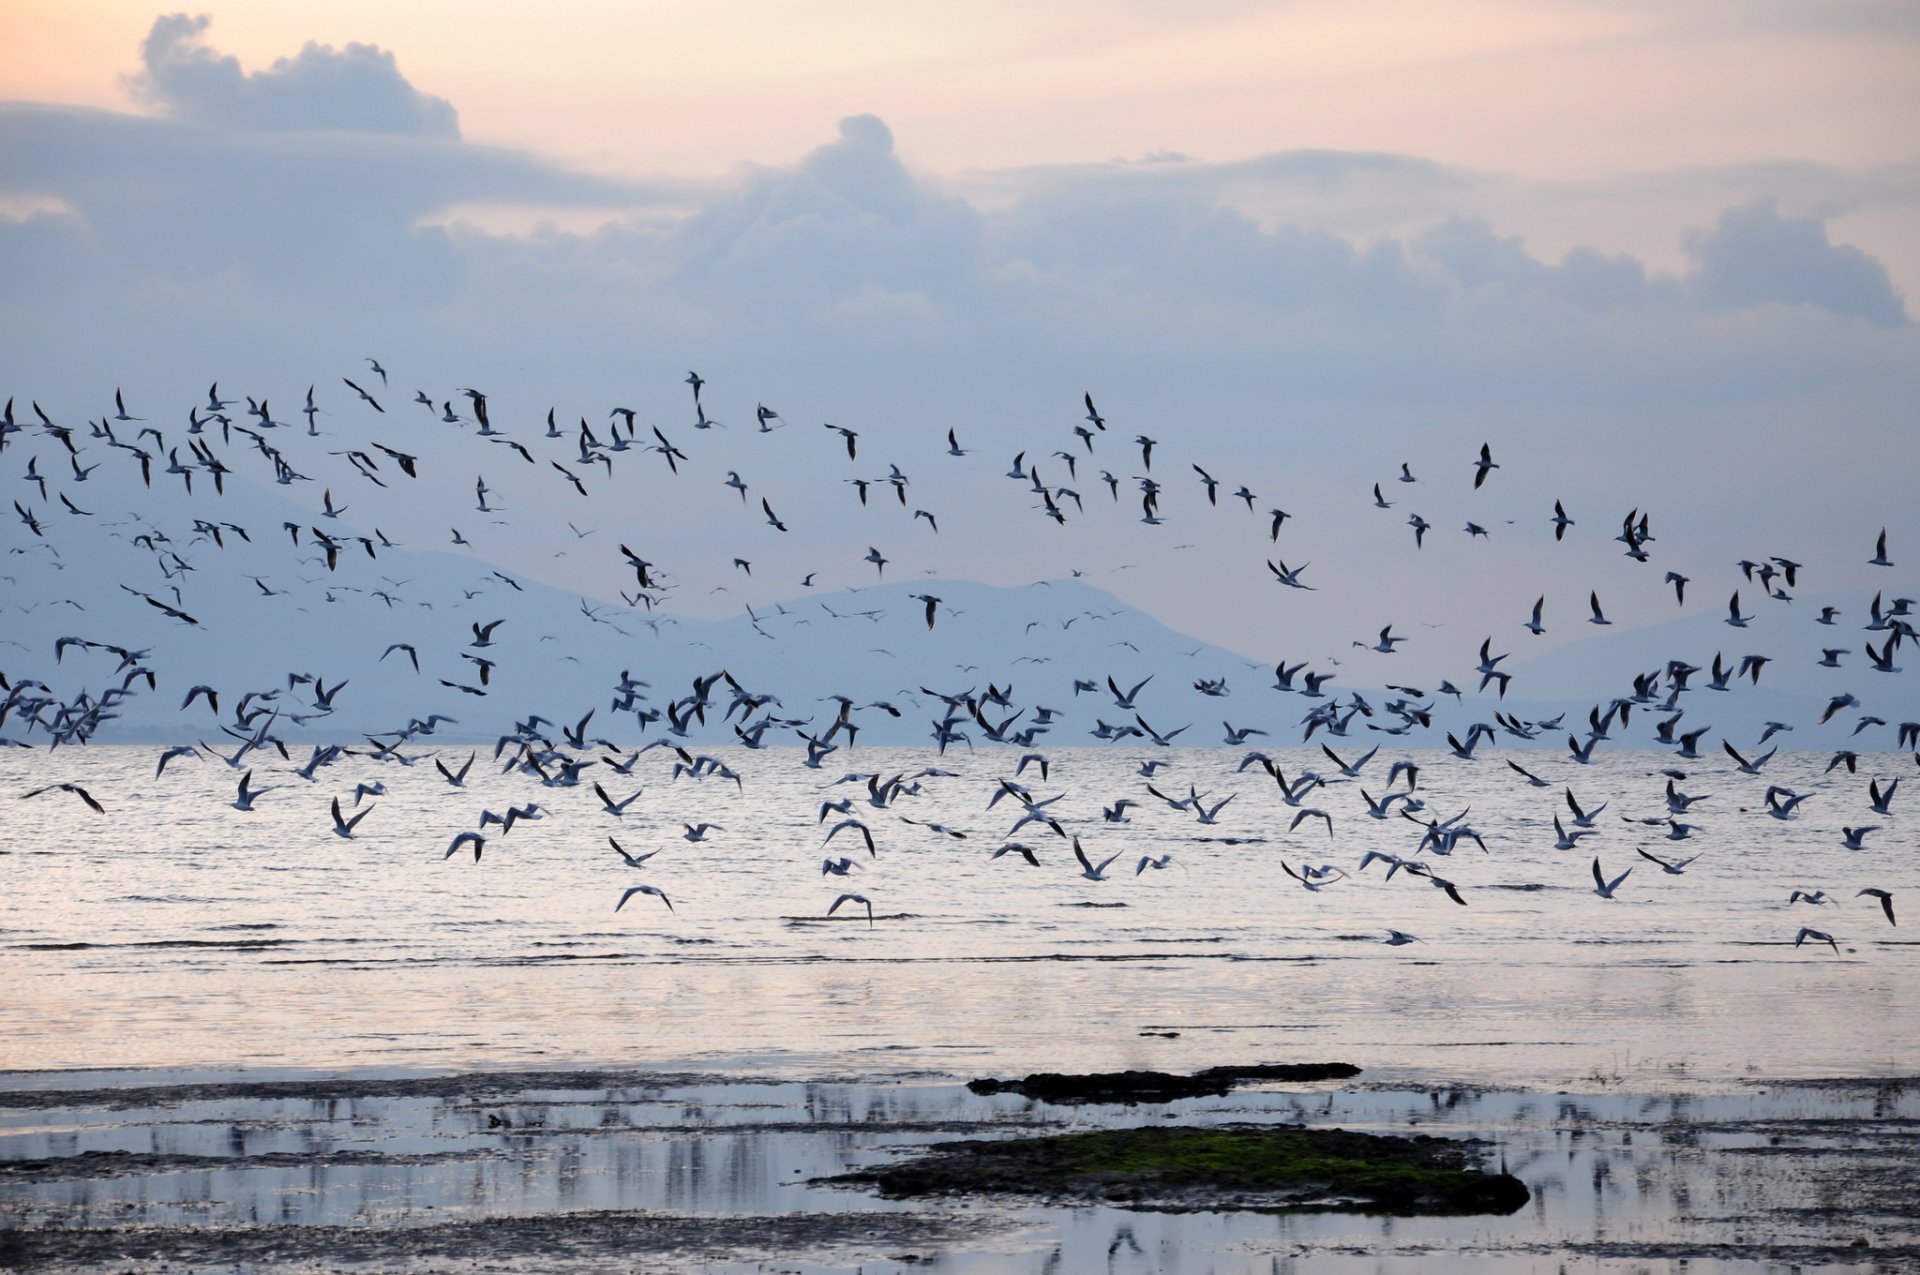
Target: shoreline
(586, 1168)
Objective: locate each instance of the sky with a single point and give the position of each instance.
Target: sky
(1661, 256)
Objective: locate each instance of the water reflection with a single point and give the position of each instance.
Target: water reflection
(1717, 1179)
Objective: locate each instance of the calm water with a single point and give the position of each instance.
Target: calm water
(177, 932)
(1620, 1184)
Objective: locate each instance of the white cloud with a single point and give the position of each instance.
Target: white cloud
(356, 89)
(1755, 256)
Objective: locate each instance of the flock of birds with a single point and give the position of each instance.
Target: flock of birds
(50, 464)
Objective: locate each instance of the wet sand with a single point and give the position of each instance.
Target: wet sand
(624, 1170)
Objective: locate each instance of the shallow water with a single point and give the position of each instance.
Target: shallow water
(177, 932)
(1767, 1178)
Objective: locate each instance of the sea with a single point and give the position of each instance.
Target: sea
(175, 932)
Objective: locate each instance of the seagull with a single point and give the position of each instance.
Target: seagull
(631, 860)
(1748, 767)
(644, 889)
(1314, 879)
(1483, 466)
(1598, 617)
(1672, 867)
(618, 809)
(1290, 576)
(1311, 813)
(1583, 818)
(1886, 901)
(698, 832)
(1087, 867)
(1569, 840)
(75, 789)
(1879, 558)
(1856, 838)
(456, 778)
(1602, 886)
(866, 834)
(854, 898)
(473, 839)
(1399, 938)
(1148, 861)
(1818, 936)
(1881, 799)
(343, 827)
(247, 795)
(1528, 775)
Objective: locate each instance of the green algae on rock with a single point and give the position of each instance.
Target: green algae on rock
(1233, 1167)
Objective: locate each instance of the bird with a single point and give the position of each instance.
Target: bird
(1672, 867)
(654, 890)
(1088, 869)
(1568, 840)
(1818, 936)
(1484, 466)
(631, 860)
(343, 827)
(854, 898)
(1603, 887)
(1886, 901)
(73, 788)
(247, 795)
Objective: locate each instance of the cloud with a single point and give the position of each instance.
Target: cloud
(356, 89)
(1755, 256)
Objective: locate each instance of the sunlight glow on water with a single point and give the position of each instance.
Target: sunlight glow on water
(178, 932)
